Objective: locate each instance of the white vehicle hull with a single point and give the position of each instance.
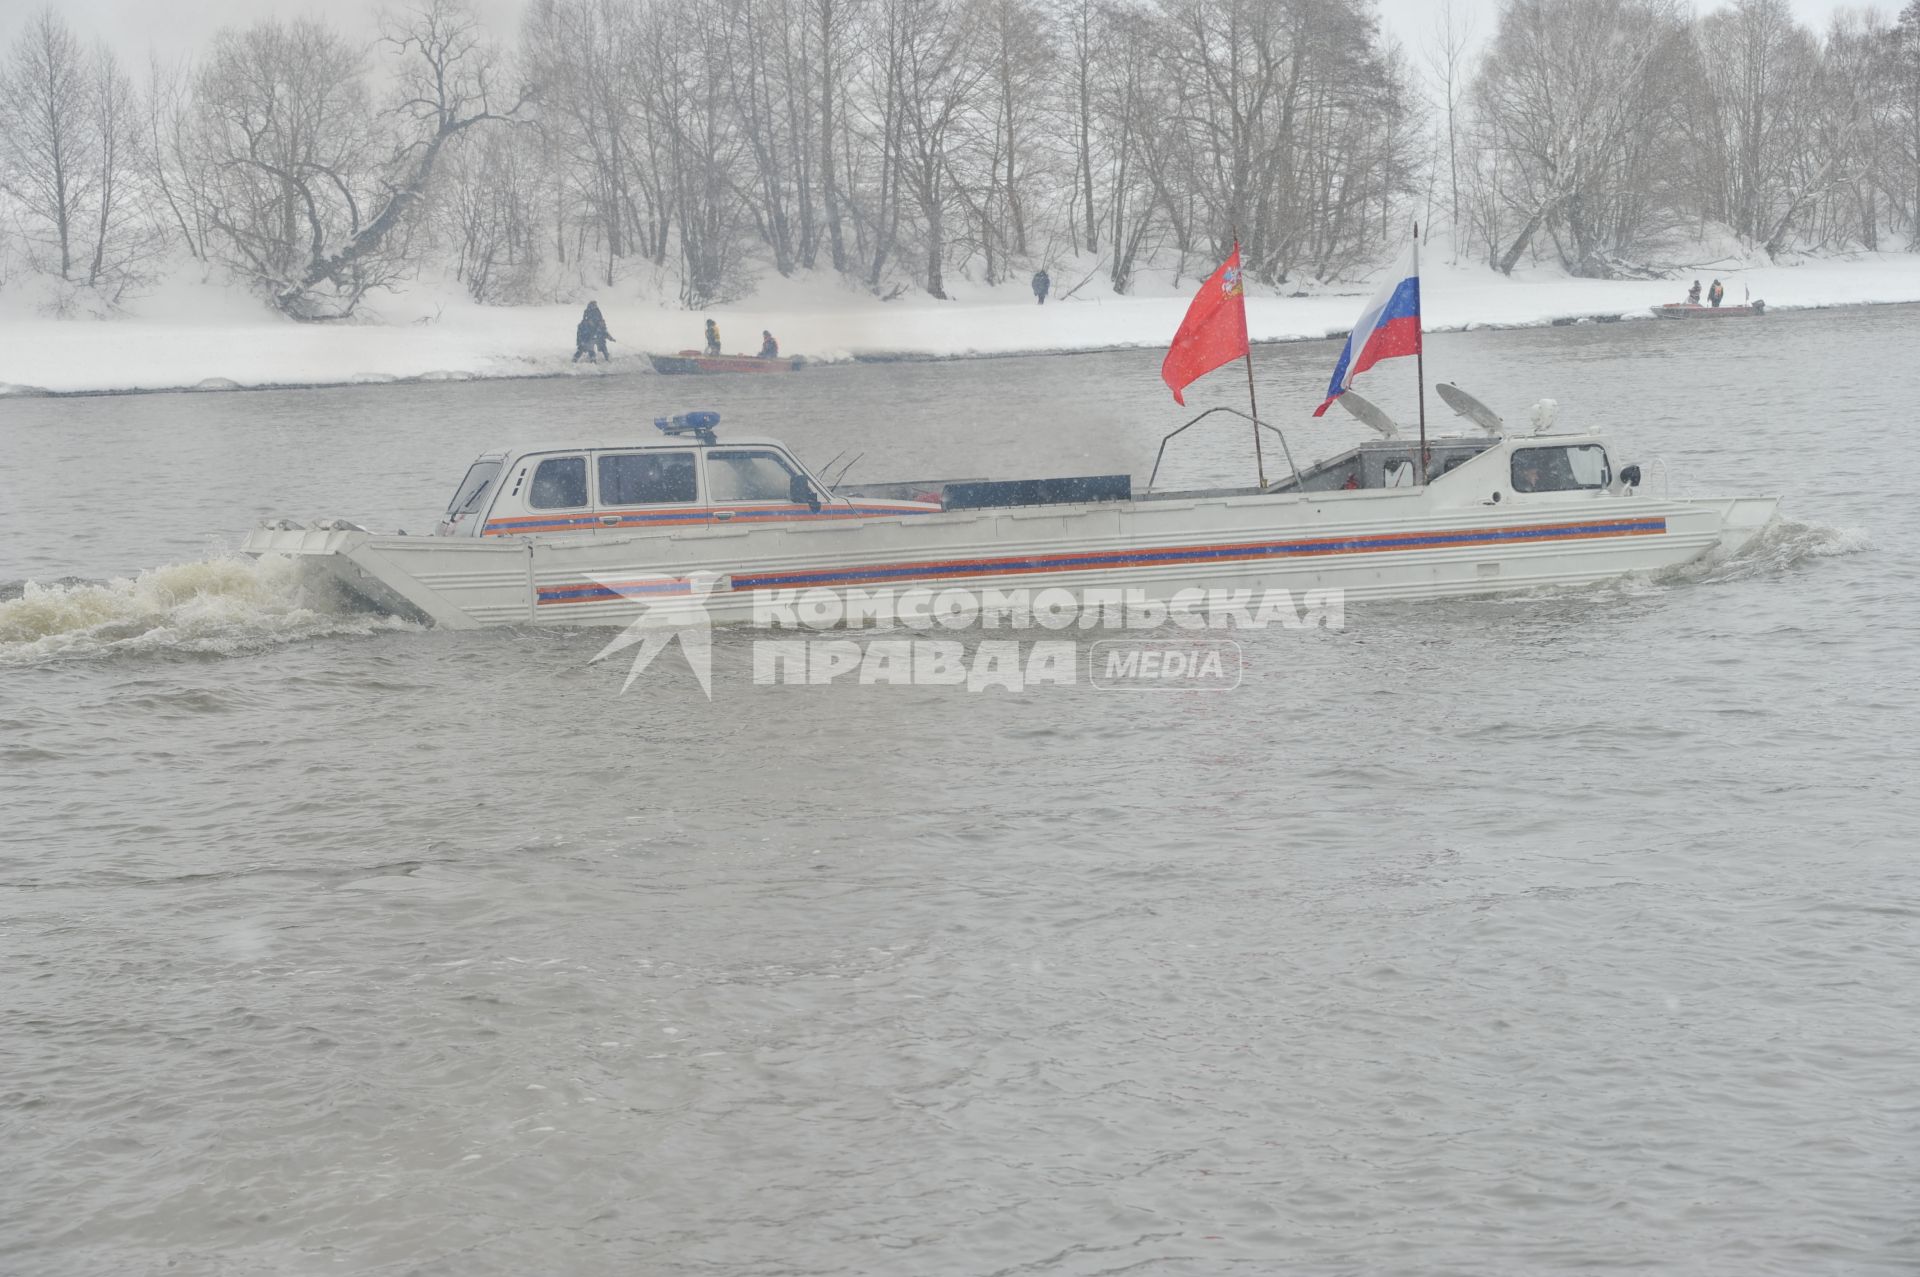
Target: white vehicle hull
(1411, 543)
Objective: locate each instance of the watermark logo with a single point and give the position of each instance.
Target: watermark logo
(671, 607)
(1004, 664)
(1166, 665)
(1050, 608)
(911, 636)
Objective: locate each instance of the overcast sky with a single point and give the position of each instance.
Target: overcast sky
(182, 26)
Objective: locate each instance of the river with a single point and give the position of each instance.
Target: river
(1568, 931)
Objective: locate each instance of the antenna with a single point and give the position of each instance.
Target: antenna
(842, 476)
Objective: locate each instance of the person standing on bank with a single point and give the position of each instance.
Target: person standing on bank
(590, 336)
(596, 326)
(1042, 285)
(713, 338)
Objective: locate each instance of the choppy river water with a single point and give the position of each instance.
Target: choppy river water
(1578, 931)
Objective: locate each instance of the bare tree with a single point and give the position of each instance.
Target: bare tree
(287, 134)
(1014, 47)
(1083, 24)
(1125, 105)
(688, 87)
(938, 81)
(1573, 96)
(46, 139)
(1447, 57)
(1904, 67)
(448, 82)
(1857, 112)
(1759, 70)
(830, 21)
(123, 238)
(577, 51)
(171, 158)
(487, 200)
(313, 189)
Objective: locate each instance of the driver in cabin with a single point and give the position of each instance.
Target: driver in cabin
(1527, 476)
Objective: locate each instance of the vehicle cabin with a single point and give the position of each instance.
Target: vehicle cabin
(1522, 466)
(689, 479)
(675, 481)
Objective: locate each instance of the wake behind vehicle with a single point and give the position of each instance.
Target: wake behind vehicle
(576, 533)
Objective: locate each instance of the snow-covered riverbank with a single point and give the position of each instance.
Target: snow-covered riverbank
(192, 336)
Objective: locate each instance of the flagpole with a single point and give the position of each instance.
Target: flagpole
(1419, 365)
(1253, 406)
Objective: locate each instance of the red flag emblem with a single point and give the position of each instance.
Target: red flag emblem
(1214, 331)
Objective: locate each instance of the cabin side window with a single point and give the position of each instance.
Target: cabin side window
(1562, 469)
(647, 478)
(748, 475)
(559, 483)
(478, 483)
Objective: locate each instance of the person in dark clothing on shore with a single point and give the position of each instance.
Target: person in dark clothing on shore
(769, 348)
(1714, 295)
(1042, 285)
(591, 336)
(713, 338)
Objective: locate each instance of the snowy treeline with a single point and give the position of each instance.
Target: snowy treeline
(902, 143)
(1595, 132)
(707, 141)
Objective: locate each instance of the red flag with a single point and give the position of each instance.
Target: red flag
(1213, 333)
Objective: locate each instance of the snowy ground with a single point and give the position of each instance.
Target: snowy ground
(205, 335)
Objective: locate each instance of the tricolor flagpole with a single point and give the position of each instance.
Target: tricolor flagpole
(1419, 363)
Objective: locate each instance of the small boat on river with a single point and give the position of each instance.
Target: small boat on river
(1694, 310)
(693, 361)
(573, 533)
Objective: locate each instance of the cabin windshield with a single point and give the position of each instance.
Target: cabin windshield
(479, 481)
(1568, 468)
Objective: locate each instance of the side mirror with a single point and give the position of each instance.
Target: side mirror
(1630, 476)
(800, 492)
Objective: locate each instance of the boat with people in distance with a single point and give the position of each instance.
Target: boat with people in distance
(573, 533)
(693, 361)
(1694, 310)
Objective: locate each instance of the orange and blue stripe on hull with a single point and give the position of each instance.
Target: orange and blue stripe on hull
(1230, 553)
(1238, 552)
(593, 591)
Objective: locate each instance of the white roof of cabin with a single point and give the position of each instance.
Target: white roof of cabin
(633, 443)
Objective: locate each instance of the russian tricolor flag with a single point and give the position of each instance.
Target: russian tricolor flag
(1389, 326)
